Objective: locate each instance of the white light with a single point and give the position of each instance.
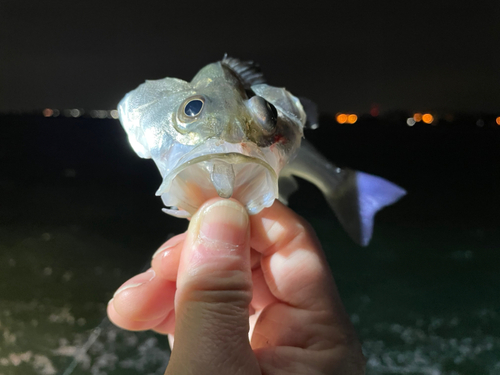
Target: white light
(114, 113)
(75, 112)
(93, 113)
(410, 121)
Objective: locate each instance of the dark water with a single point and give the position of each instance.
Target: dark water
(78, 216)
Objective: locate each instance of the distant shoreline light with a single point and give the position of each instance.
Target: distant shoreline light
(346, 118)
(480, 120)
(78, 112)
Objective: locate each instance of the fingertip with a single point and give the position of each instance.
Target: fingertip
(166, 259)
(144, 301)
(277, 225)
(217, 241)
(170, 243)
(130, 325)
(167, 325)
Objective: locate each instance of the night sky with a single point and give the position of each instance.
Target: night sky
(346, 56)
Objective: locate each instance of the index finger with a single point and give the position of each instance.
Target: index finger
(293, 262)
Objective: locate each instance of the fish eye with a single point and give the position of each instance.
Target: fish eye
(193, 107)
(264, 112)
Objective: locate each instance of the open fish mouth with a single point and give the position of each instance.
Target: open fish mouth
(241, 171)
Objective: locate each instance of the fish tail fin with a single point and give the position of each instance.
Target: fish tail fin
(354, 196)
(356, 200)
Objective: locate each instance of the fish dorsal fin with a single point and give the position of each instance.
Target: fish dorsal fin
(248, 72)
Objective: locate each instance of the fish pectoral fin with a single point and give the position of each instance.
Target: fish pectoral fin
(356, 200)
(312, 113)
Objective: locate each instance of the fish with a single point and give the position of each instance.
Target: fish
(228, 133)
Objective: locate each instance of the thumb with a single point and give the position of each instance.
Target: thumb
(214, 290)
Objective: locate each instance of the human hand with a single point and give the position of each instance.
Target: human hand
(259, 301)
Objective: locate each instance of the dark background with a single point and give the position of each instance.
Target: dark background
(78, 215)
(345, 55)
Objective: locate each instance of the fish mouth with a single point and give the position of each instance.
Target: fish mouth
(238, 171)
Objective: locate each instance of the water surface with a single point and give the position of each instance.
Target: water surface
(78, 216)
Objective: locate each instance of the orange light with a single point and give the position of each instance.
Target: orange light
(498, 120)
(351, 119)
(341, 118)
(417, 117)
(427, 118)
(47, 112)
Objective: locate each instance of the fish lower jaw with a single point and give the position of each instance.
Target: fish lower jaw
(249, 180)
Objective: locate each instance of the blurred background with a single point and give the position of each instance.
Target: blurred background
(410, 92)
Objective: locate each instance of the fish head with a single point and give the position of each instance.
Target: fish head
(214, 137)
